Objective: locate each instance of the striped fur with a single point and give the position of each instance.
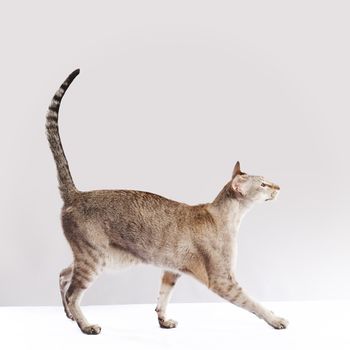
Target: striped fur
(66, 184)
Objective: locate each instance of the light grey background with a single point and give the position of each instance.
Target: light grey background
(170, 95)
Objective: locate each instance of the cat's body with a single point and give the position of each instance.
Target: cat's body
(109, 228)
(140, 223)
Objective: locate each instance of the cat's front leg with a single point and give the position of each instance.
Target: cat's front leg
(230, 290)
(167, 285)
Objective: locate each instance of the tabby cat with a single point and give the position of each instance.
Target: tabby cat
(105, 228)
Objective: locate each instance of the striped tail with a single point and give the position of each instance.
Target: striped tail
(66, 184)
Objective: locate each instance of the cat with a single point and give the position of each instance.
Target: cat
(125, 227)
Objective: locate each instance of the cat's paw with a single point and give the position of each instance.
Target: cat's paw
(167, 323)
(91, 330)
(278, 322)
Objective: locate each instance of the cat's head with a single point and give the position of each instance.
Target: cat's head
(252, 188)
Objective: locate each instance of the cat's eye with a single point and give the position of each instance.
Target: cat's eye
(263, 185)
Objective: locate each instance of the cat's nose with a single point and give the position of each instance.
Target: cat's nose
(276, 187)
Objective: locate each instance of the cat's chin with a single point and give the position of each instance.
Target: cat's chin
(273, 196)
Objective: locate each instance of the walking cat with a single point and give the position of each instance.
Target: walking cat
(108, 227)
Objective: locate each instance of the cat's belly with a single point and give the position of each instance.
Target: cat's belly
(118, 259)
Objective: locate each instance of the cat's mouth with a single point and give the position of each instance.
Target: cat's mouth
(273, 196)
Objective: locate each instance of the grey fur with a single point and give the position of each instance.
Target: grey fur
(125, 227)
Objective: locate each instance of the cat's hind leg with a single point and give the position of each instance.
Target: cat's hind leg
(64, 281)
(84, 273)
(90, 250)
(167, 284)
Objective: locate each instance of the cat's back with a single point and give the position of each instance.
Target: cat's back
(123, 202)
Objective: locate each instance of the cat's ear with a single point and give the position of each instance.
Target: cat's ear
(238, 180)
(236, 170)
(237, 185)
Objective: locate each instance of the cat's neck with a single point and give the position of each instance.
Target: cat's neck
(230, 208)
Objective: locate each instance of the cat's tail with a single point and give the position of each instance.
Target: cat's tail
(66, 184)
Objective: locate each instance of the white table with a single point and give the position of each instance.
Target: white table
(313, 325)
